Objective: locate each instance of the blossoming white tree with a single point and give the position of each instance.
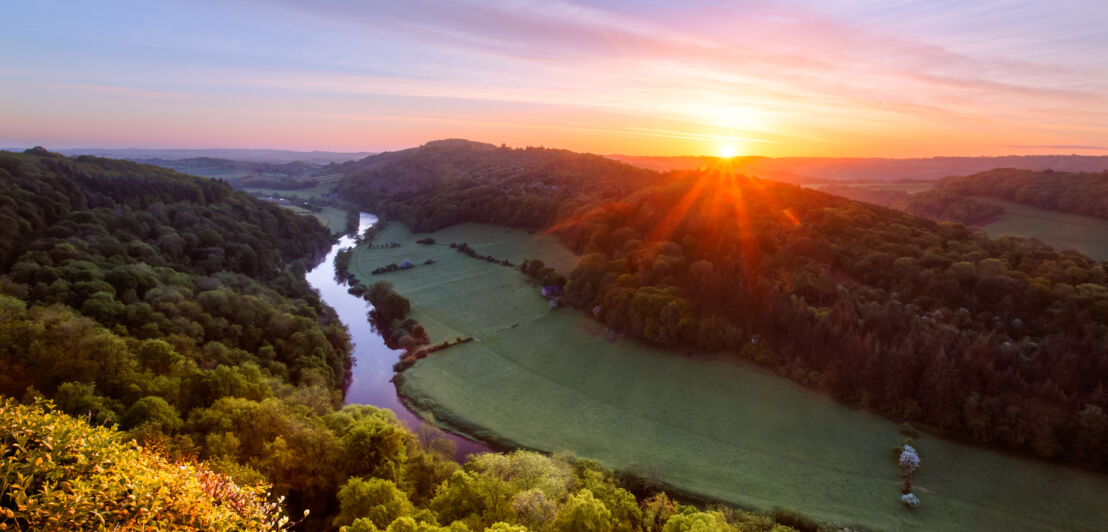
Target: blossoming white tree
(909, 459)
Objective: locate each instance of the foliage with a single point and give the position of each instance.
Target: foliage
(910, 500)
(909, 460)
(446, 182)
(938, 205)
(1073, 192)
(61, 473)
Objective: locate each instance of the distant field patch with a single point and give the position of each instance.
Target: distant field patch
(333, 219)
(1064, 231)
(330, 217)
(910, 188)
(548, 380)
(304, 193)
(459, 295)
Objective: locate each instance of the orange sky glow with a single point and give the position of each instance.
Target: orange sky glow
(794, 78)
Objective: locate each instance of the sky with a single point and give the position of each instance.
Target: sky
(656, 77)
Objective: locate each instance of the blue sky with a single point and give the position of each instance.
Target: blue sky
(782, 78)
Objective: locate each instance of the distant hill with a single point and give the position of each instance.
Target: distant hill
(235, 170)
(265, 156)
(1083, 193)
(811, 170)
(448, 181)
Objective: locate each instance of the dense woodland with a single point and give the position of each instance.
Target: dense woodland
(175, 309)
(450, 181)
(1073, 192)
(938, 205)
(1002, 342)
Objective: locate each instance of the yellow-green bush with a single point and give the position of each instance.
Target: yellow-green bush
(59, 473)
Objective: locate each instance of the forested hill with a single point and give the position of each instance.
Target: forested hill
(448, 181)
(137, 296)
(1073, 192)
(1003, 342)
(41, 190)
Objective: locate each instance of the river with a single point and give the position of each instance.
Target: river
(373, 360)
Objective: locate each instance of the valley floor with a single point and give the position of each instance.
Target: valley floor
(549, 380)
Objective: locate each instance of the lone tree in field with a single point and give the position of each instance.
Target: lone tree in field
(909, 463)
(909, 460)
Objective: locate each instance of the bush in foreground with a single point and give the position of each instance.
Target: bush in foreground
(60, 473)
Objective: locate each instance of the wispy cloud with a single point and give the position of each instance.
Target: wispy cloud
(789, 77)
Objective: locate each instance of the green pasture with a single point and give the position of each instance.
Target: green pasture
(1064, 231)
(460, 295)
(333, 219)
(909, 187)
(707, 425)
(303, 193)
(217, 172)
(330, 217)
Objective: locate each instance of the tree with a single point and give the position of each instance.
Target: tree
(375, 499)
(583, 513)
(152, 412)
(694, 521)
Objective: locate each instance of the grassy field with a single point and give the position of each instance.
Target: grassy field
(304, 193)
(1064, 231)
(548, 380)
(460, 295)
(331, 218)
(910, 188)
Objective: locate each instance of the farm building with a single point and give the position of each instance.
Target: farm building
(407, 264)
(551, 291)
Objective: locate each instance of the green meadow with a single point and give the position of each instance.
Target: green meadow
(302, 193)
(331, 218)
(910, 187)
(706, 426)
(1064, 231)
(460, 296)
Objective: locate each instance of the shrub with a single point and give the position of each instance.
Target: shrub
(910, 500)
(909, 460)
(62, 474)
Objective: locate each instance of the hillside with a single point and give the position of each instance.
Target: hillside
(996, 341)
(449, 181)
(135, 295)
(1071, 192)
(245, 155)
(938, 205)
(238, 171)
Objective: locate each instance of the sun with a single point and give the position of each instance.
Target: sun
(727, 151)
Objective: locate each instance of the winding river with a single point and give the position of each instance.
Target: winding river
(373, 360)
